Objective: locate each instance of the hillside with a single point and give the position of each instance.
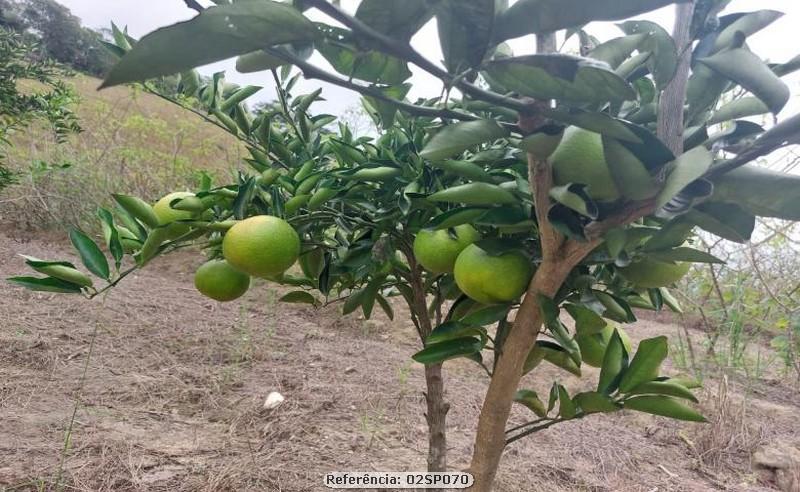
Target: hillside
(174, 390)
(132, 142)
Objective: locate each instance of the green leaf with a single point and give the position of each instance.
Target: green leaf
(384, 304)
(465, 32)
(399, 20)
(665, 406)
(596, 122)
(664, 60)
(726, 220)
(784, 69)
(594, 402)
(750, 72)
(244, 196)
(737, 109)
(541, 16)
(550, 313)
(563, 77)
(615, 240)
(487, 315)
(667, 388)
(670, 300)
(615, 51)
(61, 270)
(238, 96)
(587, 322)
(112, 236)
(670, 235)
(566, 407)
(684, 253)
(645, 364)
(684, 170)
(702, 92)
(760, 191)
(216, 34)
(615, 363)
(456, 217)
(450, 349)
(475, 194)
(464, 169)
(91, 255)
(353, 301)
(574, 196)
(340, 49)
(531, 400)
(137, 208)
(299, 297)
(552, 353)
(386, 110)
(451, 330)
(258, 61)
(47, 284)
(455, 139)
(746, 24)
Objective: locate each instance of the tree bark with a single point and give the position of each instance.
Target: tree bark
(670, 105)
(437, 407)
(437, 418)
(490, 438)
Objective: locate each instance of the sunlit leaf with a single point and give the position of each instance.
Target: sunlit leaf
(562, 77)
(216, 34)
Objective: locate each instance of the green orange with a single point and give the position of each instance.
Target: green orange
(437, 251)
(220, 281)
(579, 158)
(648, 273)
(492, 279)
(261, 246)
(167, 215)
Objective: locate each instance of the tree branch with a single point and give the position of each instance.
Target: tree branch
(631, 212)
(312, 72)
(540, 172)
(404, 51)
(670, 111)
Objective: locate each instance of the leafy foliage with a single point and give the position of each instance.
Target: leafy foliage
(357, 202)
(19, 61)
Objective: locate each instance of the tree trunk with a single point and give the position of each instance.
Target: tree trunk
(437, 407)
(490, 438)
(670, 107)
(437, 418)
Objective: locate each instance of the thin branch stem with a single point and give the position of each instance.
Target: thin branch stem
(312, 72)
(537, 428)
(526, 424)
(404, 51)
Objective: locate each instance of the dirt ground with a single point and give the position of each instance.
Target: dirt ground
(174, 391)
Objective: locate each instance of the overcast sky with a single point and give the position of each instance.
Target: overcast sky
(779, 42)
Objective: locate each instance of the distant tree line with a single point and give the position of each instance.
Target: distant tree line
(59, 34)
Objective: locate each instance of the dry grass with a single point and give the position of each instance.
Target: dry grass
(723, 448)
(132, 143)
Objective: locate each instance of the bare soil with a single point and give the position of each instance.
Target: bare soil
(174, 391)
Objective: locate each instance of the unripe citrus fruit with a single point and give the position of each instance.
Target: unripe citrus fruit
(220, 281)
(492, 279)
(579, 158)
(437, 251)
(593, 347)
(649, 273)
(168, 215)
(262, 246)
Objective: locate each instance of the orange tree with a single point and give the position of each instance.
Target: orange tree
(585, 173)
